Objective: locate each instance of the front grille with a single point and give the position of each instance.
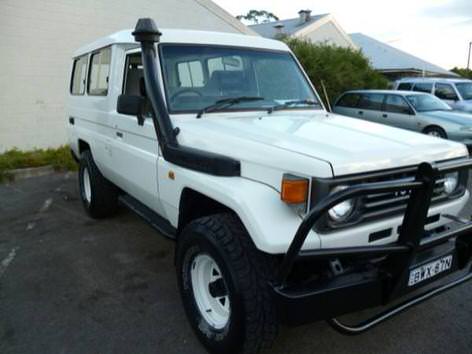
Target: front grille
(379, 206)
(376, 206)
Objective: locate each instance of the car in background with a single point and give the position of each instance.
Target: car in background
(417, 111)
(457, 93)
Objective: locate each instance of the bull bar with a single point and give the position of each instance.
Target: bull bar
(385, 282)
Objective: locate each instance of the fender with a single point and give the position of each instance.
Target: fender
(270, 222)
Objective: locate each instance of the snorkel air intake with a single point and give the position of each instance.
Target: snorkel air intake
(147, 34)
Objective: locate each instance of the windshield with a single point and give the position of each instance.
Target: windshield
(427, 103)
(465, 89)
(198, 76)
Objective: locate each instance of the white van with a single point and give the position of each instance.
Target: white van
(457, 93)
(281, 211)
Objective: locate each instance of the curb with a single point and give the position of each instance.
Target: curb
(23, 173)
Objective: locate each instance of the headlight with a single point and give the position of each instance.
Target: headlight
(451, 180)
(341, 211)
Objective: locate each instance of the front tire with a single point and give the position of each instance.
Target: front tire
(99, 196)
(224, 284)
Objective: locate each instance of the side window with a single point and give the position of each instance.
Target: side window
(372, 101)
(445, 92)
(98, 72)
(349, 100)
(423, 87)
(405, 86)
(190, 74)
(396, 104)
(79, 73)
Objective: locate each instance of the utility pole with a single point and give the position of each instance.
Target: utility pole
(468, 58)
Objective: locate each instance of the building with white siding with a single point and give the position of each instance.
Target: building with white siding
(38, 38)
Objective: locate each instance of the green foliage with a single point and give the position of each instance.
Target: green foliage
(60, 159)
(339, 69)
(258, 16)
(465, 73)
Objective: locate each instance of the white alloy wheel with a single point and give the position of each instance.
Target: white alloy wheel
(210, 291)
(87, 185)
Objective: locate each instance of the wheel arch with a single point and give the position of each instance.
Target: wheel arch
(433, 126)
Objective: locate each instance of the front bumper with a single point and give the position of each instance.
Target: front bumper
(380, 274)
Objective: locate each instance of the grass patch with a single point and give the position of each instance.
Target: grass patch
(60, 158)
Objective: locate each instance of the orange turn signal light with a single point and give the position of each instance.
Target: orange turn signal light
(294, 190)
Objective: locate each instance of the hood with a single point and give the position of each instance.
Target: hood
(349, 145)
(454, 117)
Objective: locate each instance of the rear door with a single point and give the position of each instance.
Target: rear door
(370, 107)
(398, 113)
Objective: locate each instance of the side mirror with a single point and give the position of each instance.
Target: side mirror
(131, 105)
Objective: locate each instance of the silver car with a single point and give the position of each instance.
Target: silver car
(421, 112)
(457, 93)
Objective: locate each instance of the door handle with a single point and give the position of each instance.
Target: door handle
(384, 115)
(119, 134)
(71, 120)
(361, 112)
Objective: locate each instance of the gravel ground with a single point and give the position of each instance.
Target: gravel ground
(69, 284)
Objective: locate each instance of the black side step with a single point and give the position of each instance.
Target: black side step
(156, 221)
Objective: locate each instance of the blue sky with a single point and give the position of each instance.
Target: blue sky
(436, 30)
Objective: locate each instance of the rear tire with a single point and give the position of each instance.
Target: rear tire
(435, 131)
(99, 196)
(235, 272)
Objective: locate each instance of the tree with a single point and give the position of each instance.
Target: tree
(258, 16)
(465, 73)
(338, 69)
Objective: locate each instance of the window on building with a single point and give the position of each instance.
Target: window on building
(191, 74)
(79, 73)
(372, 101)
(396, 104)
(423, 87)
(99, 72)
(350, 100)
(445, 92)
(405, 86)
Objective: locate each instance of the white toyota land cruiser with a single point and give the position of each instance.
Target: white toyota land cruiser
(281, 211)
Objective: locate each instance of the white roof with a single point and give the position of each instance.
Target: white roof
(188, 36)
(433, 79)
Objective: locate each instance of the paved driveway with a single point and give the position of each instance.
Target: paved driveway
(69, 284)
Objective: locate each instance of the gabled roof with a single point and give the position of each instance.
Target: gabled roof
(291, 26)
(386, 58)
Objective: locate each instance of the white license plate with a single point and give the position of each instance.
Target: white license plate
(430, 270)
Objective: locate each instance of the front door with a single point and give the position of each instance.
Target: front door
(135, 146)
(398, 113)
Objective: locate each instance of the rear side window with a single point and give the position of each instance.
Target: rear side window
(423, 87)
(79, 73)
(350, 100)
(445, 92)
(405, 86)
(99, 72)
(372, 101)
(396, 104)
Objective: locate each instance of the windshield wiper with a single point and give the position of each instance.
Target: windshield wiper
(227, 102)
(292, 103)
